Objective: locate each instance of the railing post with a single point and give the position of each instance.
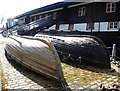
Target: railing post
(113, 58)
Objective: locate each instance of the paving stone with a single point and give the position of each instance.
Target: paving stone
(107, 86)
(114, 77)
(85, 86)
(118, 83)
(93, 83)
(94, 87)
(98, 84)
(104, 82)
(8, 87)
(81, 88)
(98, 81)
(109, 79)
(116, 80)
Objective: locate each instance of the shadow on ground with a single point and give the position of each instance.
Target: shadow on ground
(45, 82)
(91, 68)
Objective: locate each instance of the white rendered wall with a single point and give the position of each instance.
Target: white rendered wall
(63, 27)
(80, 27)
(98, 26)
(103, 26)
(52, 27)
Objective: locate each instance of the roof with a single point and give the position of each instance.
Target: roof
(46, 8)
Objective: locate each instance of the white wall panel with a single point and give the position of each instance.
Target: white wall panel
(52, 27)
(80, 27)
(63, 26)
(96, 27)
(119, 25)
(103, 26)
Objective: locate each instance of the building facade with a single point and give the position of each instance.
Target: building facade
(87, 17)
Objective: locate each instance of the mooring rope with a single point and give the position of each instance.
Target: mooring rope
(70, 56)
(118, 48)
(66, 57)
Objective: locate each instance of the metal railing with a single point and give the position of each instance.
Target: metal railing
(114, 58)
(37, 25)
(114, 52)
(34, 24)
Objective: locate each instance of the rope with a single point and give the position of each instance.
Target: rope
(66, 57)
(109, 47)
(118, 48)
(70, 56)
(79, 59)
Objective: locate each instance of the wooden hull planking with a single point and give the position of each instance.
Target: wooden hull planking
(36, 54)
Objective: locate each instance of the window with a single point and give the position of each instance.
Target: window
(81, 11)
(46, 16)
(112, 25)
(54, 15)
(90, 26)
(40, 17)
(110, 7)
(35, 18)
(21, 20)
(31, 19)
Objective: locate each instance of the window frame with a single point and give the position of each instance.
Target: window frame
(31, 19)
(112, 25)
(35, 18)
(110, 7)
(90, 26)
(46, 16)
(55, 15)
(40, 17)
(81, 11)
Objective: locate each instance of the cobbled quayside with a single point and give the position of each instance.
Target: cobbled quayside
(15, 76)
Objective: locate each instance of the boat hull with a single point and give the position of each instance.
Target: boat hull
(108, 37)
(83, 49)
(38, 55)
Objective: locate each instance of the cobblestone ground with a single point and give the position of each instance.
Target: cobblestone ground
(16, 76)
(89, 78)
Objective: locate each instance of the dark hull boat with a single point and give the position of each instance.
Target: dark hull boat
(36, 54)
(83, 49)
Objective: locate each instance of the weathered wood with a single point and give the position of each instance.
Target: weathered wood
(83, 49)
(36, 54)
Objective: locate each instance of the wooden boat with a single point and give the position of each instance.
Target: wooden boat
(83, 49)
(36, 54)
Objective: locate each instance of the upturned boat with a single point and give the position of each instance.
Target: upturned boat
(36, 54)
(83, 49)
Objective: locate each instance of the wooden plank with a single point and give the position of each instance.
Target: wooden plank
(38, 54)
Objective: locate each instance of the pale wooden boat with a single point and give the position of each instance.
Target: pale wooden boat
(36, 54)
